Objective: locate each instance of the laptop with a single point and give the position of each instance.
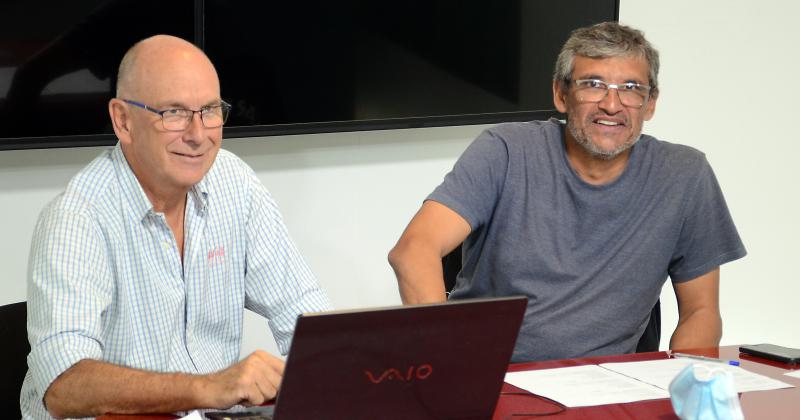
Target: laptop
(433, 361)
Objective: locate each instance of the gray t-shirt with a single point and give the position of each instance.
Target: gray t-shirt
(591, 259)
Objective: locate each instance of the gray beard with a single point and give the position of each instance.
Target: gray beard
(584, 141)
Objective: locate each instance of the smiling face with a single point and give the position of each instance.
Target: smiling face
(168, 73)
(605, 129)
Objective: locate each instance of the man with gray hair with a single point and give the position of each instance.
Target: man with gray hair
(141, 270)
(587, 219)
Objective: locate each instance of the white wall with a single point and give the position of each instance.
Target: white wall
(727, 89)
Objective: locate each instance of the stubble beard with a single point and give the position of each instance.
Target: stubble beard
(585, 141)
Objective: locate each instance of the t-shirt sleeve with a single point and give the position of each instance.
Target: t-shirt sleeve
(708, 236)
(473, 187)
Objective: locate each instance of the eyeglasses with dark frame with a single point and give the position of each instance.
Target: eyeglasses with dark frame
(633, 95)
(178, 119)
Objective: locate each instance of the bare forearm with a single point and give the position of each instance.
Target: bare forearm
(91, 388)
(699, 322)
(419, 275)
(417, 258)
(701, 329)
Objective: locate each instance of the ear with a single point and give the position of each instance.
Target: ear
(120, 120)
(650, 108)
(560, 96)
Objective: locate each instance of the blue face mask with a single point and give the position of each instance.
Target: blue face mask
(702, 393)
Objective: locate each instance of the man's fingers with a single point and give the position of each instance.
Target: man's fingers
(264, 373)
(266, 390)
(252, 381)
(270, 360)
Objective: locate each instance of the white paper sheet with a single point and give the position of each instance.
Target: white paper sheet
(580, 386)
(194, 415)
(660, 373)
(793, 374)
(614, 383)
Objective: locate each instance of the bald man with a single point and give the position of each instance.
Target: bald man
(141, 270)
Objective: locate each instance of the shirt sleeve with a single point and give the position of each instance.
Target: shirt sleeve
(473, 187)
(279, 284)
(68, 291)
(708, 237)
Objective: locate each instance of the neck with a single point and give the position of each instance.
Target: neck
(592, 169)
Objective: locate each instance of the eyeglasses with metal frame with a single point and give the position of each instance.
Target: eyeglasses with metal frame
(178, 119)
(632, 95)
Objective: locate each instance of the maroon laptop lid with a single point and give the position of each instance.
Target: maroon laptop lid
(438, 361)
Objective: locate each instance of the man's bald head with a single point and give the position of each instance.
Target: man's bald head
(153, 55)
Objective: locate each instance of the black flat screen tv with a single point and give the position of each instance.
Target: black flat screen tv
(290, 67)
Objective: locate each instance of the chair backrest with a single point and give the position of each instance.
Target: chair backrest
(651, 337)
(649, 341)
(14, 355)
(451, 265)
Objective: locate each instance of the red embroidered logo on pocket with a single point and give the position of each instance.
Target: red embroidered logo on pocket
(216, 257)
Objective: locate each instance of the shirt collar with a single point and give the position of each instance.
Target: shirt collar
(200, 192)
(132, 191)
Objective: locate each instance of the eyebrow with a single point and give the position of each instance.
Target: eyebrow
(590, 77)
(596, 77)
(174, 105)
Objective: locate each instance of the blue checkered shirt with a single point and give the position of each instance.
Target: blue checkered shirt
(106, 280)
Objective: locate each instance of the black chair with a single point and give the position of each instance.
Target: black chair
(649, 341)
(14, 355)
(451, 264)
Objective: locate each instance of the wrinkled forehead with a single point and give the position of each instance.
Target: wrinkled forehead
(625, 66)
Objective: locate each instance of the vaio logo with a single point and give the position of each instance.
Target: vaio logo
(420, 372)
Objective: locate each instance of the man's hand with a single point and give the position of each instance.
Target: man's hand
(252, 381)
